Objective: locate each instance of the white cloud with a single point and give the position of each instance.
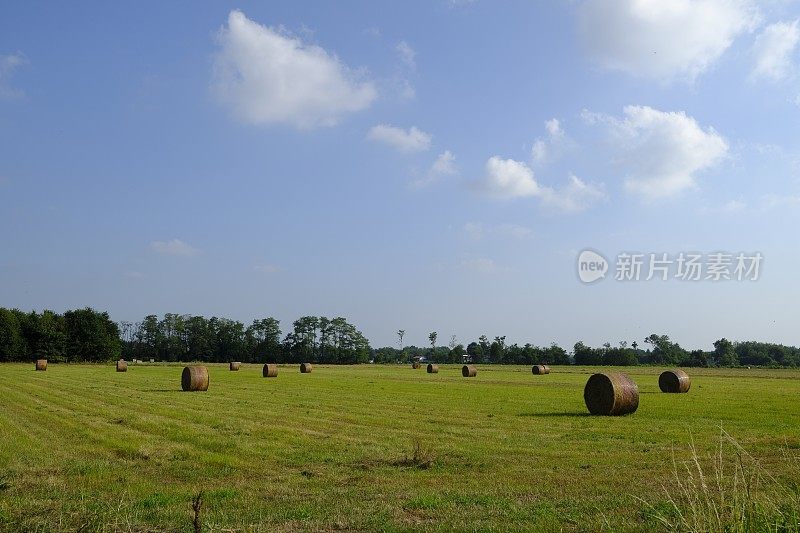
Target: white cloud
(479, 264)
(266, 269)
(553, 145)
(267, 76)
(663, 39)
(474, 230)
(443, 166)
(174, 247)
(407, 54)
(553, 127)
(773, 50)
(576, 196)
(770, 201)
(661, 151)
(729, 207)
(412, 140)
(507, 178)
(406, 91)
(539, 150)
(401, 85)
(514, 230)
(734, 206)
(8, 64)
(477, 231)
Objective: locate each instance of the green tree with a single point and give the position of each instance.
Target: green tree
(486, 348)
(457, 353)
(264, 340)
(90, 336)
(475, 352)
(497, 350)
(666, 352)
(586, 355)
(432, 338)
(724, 353)
(47, 336)
(200, 339)
(12, 345)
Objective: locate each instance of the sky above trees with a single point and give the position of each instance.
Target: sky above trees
(426, 166)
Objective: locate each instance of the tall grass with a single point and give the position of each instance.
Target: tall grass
(734, 494)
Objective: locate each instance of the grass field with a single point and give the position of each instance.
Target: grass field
(82, 446)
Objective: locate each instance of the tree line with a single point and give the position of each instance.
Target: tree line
(79, 335)
(660, 350)
(86, 335)
(196, 338)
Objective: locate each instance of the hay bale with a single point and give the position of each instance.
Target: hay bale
(674, 381)
(306, 368)
(612, 393)
(433, 369)
(41, 365)
(270, 371)
(469, 371)
(540, 369)
(194, 378)
(235, 366)
(122, 366)
(415, 365)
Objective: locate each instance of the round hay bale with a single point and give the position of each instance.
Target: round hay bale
(270, 371)
(306, 368)
(194, 378)
(546, 369)
(122, 366)
(433, 369)
(415, 365)
(235, 366)
(612, 393)
(540, 369)
(674, 381)
(469, 371)
(41, 365)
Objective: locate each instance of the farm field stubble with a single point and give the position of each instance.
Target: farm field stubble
(369, 447)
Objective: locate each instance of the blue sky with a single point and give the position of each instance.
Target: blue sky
(431, 165)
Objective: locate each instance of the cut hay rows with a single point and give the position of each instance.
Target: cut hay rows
(611, 394)
(194, 378)
(674, 381)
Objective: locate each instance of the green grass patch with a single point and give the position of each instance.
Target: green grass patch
(393, 449)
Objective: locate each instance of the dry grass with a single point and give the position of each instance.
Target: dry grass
(422, 456)
(730, 491)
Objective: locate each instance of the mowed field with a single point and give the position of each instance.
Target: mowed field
(82, 446)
